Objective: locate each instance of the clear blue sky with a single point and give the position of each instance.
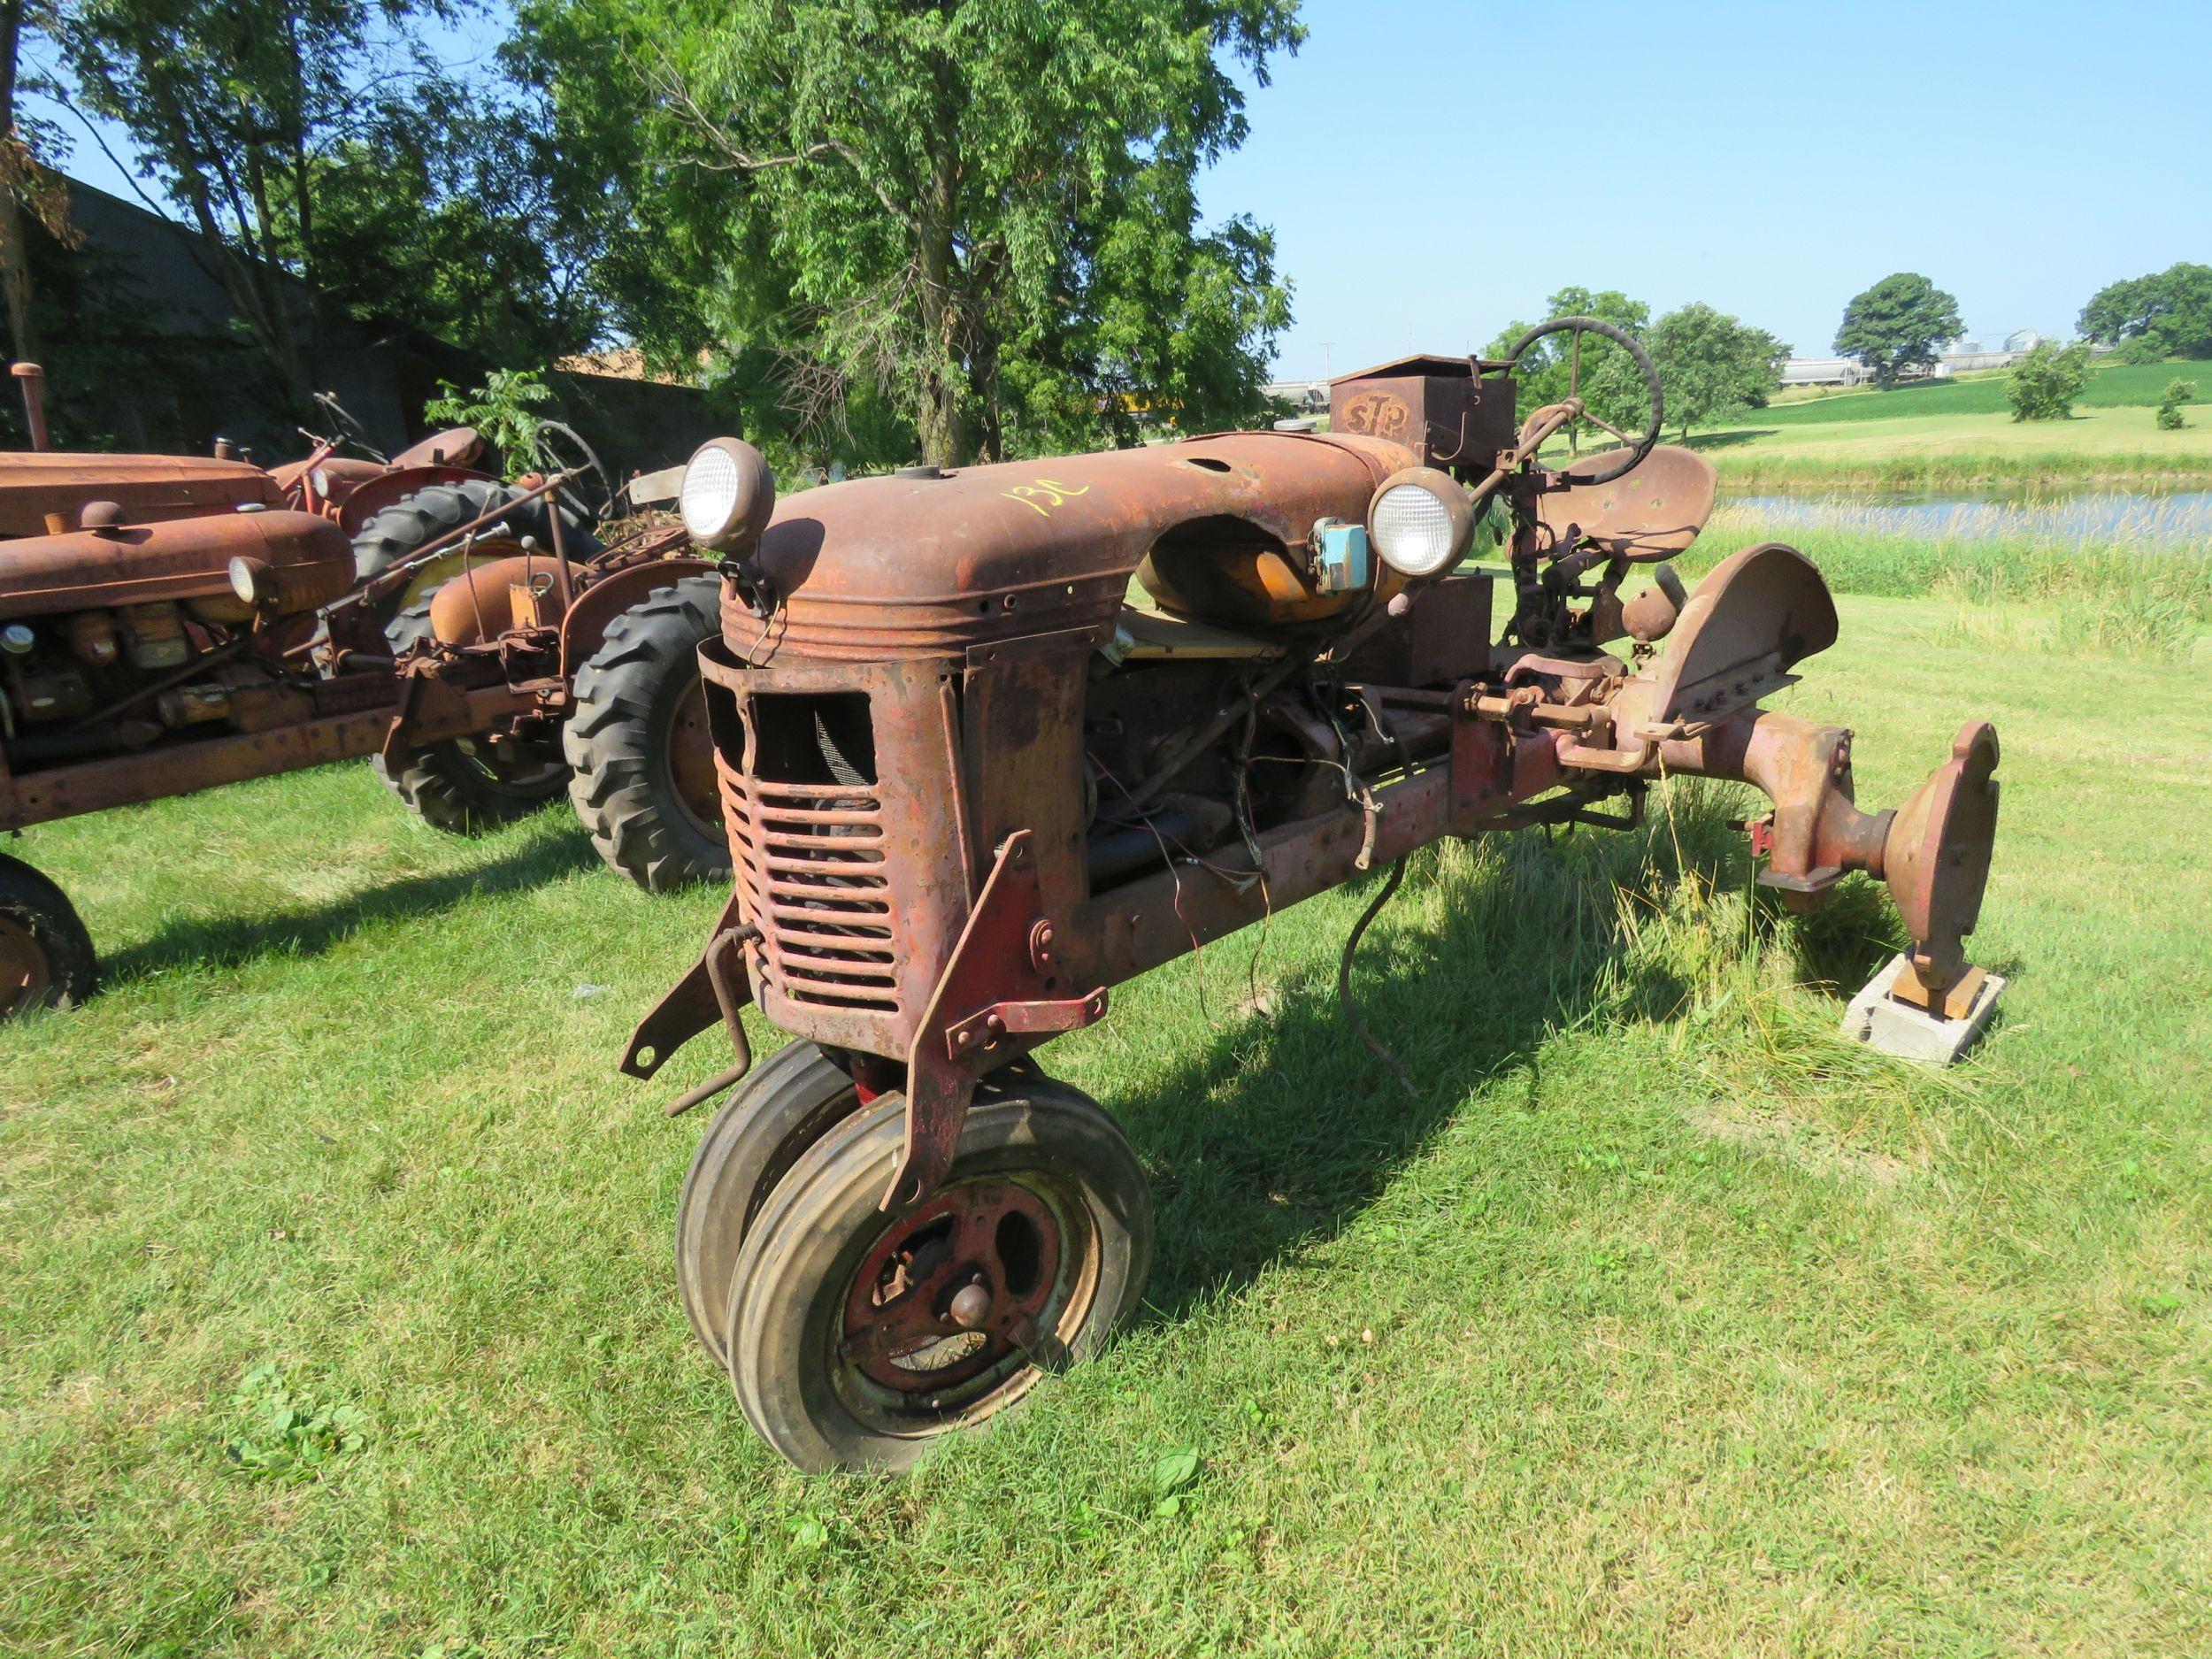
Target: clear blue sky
(1434, 168)
(1771, 159)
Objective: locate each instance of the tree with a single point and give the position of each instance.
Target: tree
(1605, 378)
(2167, 314)
(1710, 362)
(2044, 384)
(2177, 393)
(978, 213)
(1897, 326)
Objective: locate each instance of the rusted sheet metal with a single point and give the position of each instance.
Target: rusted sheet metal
(1434, 406)
(184, 559)
(994, 1000)
(585, 625)
(1648, 513)
(147, 488)
(910, 565)
(363, 498)
(855, 888)
(1757, 615)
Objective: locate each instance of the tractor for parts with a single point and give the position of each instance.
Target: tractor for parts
(972, 778)
(168, 623)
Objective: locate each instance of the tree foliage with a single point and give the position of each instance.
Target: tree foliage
(2170, 405)
(2043, 385)
(976, 216)
(1712, 363)
(315, 144)
(2167, 314)
(1898, 325)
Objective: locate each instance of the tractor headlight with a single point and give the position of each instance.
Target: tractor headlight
(1421, 522)
(726, 494)
(254, 581)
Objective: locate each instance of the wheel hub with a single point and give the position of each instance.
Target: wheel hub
(25, 973)
(690, 751)
(954, 1289)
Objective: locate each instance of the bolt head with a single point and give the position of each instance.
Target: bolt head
(971, 1306)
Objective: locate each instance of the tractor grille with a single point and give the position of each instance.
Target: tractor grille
(806, 835)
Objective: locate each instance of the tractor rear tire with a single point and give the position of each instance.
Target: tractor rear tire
(641, 760)
(436, 509)
(46, 956)
(460, 785)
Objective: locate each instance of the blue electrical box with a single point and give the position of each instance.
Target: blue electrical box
(1340, 563)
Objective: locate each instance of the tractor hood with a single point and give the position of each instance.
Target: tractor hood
(926, 564)
(147, 488)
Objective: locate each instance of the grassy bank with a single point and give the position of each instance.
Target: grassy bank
(2119, 593)
(1661, 1324)
(1950, 434)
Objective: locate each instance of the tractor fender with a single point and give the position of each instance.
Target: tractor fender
(585, 626)
(370, 497)
(1755, 616)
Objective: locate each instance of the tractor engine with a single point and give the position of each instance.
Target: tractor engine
(114, 635)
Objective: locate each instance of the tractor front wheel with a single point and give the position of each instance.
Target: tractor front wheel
(788, 1103)
(46, 956)
(856, 1337)
(467, 785)
(640, 759)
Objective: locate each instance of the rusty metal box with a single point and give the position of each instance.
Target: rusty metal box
(1434, 405)
(1444, 637)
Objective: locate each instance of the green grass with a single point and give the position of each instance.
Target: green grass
(1961, 432)
(2137, 589)
(2114, 386)
(1663, 1324)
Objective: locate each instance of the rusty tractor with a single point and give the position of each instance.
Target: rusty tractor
(168, 623)
(972, 779)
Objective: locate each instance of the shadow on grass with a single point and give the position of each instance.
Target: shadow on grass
(1282, 1127)
(311, 930)
(1724, 439)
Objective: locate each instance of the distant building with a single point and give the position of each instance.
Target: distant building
(139, 295)
(1823, 372)
(1308, 397)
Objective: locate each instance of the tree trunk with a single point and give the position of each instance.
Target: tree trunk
(15, 270)
(942, 421)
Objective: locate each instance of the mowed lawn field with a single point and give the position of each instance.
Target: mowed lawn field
(1963, 432)
(1660, 1323)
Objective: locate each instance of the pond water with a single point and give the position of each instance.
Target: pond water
(2173, 517)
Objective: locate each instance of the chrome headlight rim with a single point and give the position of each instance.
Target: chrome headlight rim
(1415, 550)
(726, 495)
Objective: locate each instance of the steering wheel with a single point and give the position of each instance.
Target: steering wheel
(1638, 446)
(572, 454)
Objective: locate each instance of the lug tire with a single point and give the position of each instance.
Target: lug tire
(46, 956)
(800, 1270)
(399, 529)
(638, 731)
(788, 1103)
(444, 784)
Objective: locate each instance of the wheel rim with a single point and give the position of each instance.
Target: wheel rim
(1014, 1251)
(25, 973)
(689, 747)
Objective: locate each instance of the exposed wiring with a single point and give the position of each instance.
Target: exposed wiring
(1344, 980)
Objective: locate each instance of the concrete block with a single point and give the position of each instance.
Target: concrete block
(1878, 1019)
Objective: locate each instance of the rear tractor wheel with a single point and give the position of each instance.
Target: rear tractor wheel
(46, 956)
(467, 785)
(854, 1337)
(640, 755)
